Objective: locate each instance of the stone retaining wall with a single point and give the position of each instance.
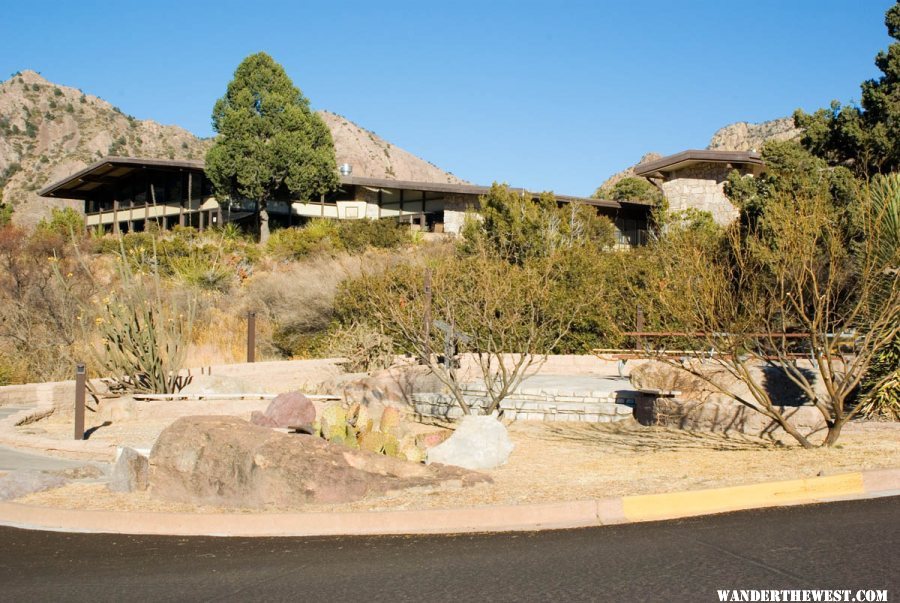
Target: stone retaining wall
(588, 407)
(726, 416)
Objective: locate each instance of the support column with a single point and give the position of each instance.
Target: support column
(115, 217)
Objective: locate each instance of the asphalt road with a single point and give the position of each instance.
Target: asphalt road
(852, 545)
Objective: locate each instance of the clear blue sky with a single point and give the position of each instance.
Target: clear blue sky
(545, 95)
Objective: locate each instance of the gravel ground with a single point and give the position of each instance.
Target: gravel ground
(570, 461)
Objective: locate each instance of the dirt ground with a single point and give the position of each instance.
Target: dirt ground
(568, 461)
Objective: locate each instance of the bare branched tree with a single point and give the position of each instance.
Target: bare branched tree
(505, 315)
(796, 292)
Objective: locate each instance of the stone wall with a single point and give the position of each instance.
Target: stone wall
(455, 207)
(727, 416)
(702, 187)
(537, 405)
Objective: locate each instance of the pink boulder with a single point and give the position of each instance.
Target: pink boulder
(292, 409)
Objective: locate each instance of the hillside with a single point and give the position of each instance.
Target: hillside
(48, 132)
(374, 157)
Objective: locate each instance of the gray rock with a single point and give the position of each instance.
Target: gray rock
(479, 442)
(20, 483)
(130, 473)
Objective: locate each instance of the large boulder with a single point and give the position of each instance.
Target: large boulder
(479, 442)
(292, 409)
(226, 461)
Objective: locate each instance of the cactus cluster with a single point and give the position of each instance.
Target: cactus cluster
(357, 427)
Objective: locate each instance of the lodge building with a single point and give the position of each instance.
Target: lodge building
(124, 194)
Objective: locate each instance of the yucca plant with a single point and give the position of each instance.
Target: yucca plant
(143, 337)
(882, 384)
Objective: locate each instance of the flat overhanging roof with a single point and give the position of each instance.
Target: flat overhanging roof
(82, 184)
(670, 163)
(459, 189)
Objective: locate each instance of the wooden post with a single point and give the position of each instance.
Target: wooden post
(639, 325)
(80, 377)
(115, 217)
(322, 205)
(426, 314)
(380, 200)
(251, 337)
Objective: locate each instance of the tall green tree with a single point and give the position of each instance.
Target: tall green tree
(270, 142)
(864, 137)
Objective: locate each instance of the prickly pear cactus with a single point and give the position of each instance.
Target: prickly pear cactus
(357, 428)
(391, 445)
(372, 442)
(390, 419)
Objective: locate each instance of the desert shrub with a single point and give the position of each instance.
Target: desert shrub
(66, 223)
(6, 212)
(318, 236)
(203, 271)
(298, 298)
(519, 228)
(365, 348)
(357, 235)
(39, 313)
(322, 236)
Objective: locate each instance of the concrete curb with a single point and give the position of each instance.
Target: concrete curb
(576, 514)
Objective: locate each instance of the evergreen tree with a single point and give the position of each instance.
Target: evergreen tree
(866, 137)
(270, 142)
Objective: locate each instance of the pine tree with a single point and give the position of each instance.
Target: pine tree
(270, 141)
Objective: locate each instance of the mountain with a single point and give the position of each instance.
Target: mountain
(49, 131)
(374, 157)
(740, 136)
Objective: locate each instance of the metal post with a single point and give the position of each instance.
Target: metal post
(79, 400)
(251, 337)
(426, 314)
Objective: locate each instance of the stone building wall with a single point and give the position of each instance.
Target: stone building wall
(455, 207)
(701, 187)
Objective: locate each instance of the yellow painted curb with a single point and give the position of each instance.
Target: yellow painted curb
(720, 500)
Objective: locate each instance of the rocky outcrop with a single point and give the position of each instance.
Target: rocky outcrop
(744, 136)
(225, 461)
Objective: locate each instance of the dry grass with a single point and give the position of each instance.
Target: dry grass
(560, 462)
